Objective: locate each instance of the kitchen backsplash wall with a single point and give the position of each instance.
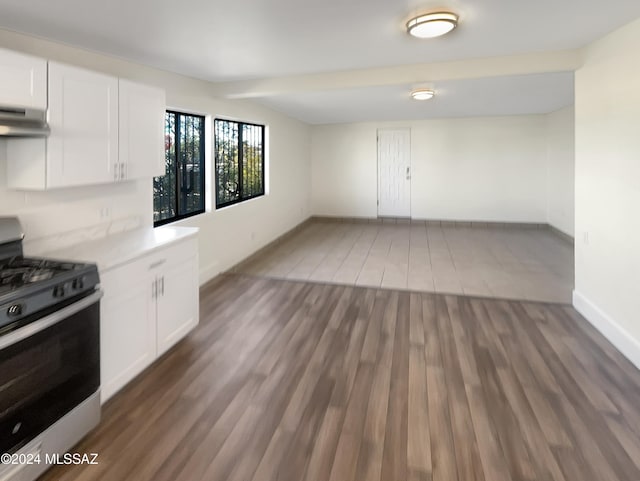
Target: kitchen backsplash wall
(58, 218)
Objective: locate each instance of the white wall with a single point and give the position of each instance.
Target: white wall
(344, 170)
(608, 188)
(482, 169)
(561, 170)
(226, 236)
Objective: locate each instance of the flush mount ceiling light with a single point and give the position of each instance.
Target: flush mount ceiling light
(431, 25)
(422, 94)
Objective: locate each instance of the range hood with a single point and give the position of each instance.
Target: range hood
(23, 122)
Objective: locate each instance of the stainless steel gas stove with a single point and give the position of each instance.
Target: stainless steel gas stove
(49, 356)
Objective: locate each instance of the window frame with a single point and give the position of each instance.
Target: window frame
(240, 199)
(178, 177)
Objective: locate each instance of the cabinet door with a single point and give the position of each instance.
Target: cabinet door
(128, 328)
(23, 80)
(83, 115)
(177, 302)
(141, 118)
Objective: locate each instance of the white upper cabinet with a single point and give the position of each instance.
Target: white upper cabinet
(23, 80)
(141, 131)
(103, 129)
(82, 148)
(83, 115)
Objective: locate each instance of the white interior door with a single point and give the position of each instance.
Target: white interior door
(394, 172)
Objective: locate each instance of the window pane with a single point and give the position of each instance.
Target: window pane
(190, 164)
(253, 161)
(180, 192)
(227, 161)
(164, 188)
(239, 159)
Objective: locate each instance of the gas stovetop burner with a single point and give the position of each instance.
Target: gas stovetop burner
(20, 271)
(23, 276)
(31, 286)
(40, 275)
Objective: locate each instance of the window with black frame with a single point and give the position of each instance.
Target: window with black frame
(180, 193)
(239, 161)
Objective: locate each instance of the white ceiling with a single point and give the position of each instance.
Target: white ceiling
(513, 95)
(229, 41)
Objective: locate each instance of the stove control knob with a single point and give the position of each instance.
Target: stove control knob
(59, 291)
(78, 283)
(15, 310)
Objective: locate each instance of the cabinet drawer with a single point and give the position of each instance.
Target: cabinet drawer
(120, 278)
(176, 253)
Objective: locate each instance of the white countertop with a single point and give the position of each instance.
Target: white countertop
(117, 249)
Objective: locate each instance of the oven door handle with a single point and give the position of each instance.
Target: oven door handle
(48, 321)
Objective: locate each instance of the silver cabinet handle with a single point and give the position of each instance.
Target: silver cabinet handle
(154, 289)
(116, 171)
(123, 171)
(162, 286)
(408, 173)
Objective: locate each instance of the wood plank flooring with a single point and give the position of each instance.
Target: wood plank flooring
(295, 381)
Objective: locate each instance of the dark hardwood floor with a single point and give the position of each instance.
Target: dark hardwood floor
(297, 381)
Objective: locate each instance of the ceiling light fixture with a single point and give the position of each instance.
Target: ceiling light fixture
(422, 94)
(431, 25)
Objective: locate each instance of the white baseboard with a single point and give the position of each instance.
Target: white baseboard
(209, 272)
(617, 335)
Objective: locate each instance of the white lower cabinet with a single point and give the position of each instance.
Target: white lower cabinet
(149, 305)
(177, 303)
(128, 331)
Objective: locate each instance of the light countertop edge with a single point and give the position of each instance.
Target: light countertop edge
(118, 249)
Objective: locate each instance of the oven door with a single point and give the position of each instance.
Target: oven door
(46, 369)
